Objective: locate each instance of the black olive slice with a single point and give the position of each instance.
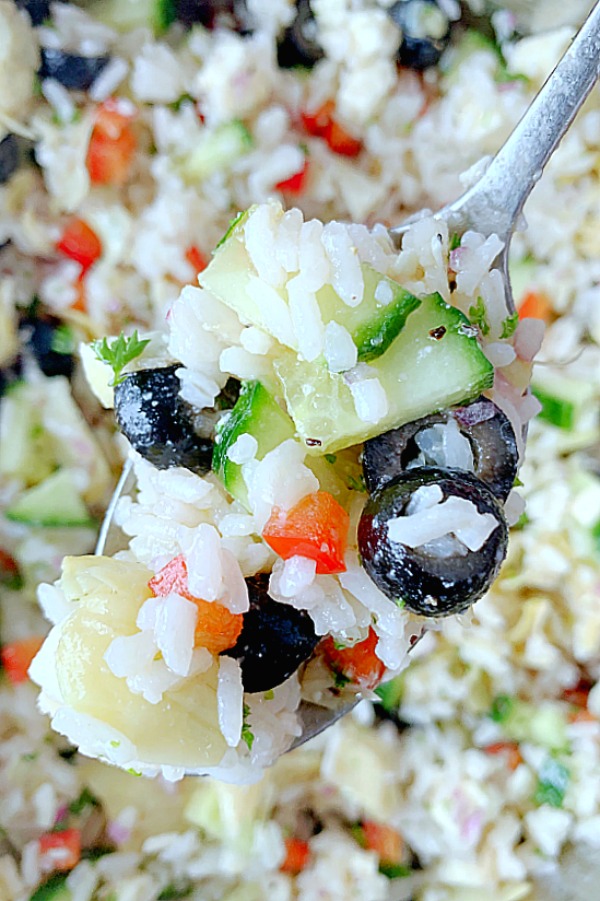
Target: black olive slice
(9, 157)
(425, 31)
(487, 428)
(41, 335)
(156, 421)
(430, 579)
(298, 45)
(77, 73)
(37, 10)
(275, 639)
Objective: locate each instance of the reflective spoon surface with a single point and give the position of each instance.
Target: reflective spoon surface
(491, 206)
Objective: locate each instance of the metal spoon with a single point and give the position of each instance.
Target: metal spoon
(492, 206)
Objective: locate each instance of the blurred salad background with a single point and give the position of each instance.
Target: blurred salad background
(131, 132)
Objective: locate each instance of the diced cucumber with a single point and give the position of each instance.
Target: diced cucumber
(564, 400)
(544, 725)
(434, 362)
(255, 413)
(125, 15)
(216, 151)
(54, 502)
(390, 693)
(25, 449)
(373, 324)
(54, 889)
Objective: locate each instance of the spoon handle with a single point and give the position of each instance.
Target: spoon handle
(494, 203)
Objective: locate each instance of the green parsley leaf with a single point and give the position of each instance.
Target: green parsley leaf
(119, 353)
(247, 734)
(552, 783)
(521, 522)
(455, 241)
(176, 890)
(395, 870)
(269, 695)
(331, 458)
(340, 679)
(232, 224)
(357, 484)
(63, 341)
(478, 316)
(518, 483)
(596, 535)
(85, 799)
(509, 325)
(502, 707)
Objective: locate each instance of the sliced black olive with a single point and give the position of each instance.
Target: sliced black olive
(488, 430)
(436, 578)
(425, 32)
(298, 45)
(77, 73)
(158, 423)
(38, 10)
(42, 336)
(212, 14)
(9, 157)
(275, 639)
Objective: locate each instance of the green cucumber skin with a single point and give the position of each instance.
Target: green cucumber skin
(256, 413)
(51, 503)
(375, 337)
(419, 373)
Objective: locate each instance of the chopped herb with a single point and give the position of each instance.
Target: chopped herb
(509, 325)
(97, 852)
(176, 890)
(395, 870)
(85, 799)
(390, 693)
(502, 707)
(596, 535)
(339, 645)
(455, 241)
(518, 483)
(115, 743)
(522, 521)
(55, 887)
(247, 734)
(357, 484)
(478, 316)
(269, 695)
(358, 834)
(552, 783)
(133, 772)
(63, 341)
(232, 224)
(331, 458)
(28, 758)
(177, 104)
(68, 754)
(340, 679)
(119, 353)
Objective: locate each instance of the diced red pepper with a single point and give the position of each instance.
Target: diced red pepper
(317, 528)
(535, 305)
(295, 184)
(112, 145)
(509, 749)
(384, 840)
(17, 656)
(322, 124)
(196, 259)
(582, 715)
(9, 568)
(579, 693)
(60, 850)
(79, 242)
(297, 856)
(217, 629)
(80, 302)
(358, 664)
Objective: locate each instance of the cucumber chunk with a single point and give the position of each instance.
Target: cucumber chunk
(26, 451)
(216, 151)
(54, 502)
(255, 413)
(373, 324)
(125, 15)
(434, 362)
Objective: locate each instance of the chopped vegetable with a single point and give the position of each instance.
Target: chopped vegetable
(247, 733)
(297, 856)
(296, 183)
(322, 124)
(358, 664)
(535, 305)
(217, 629)
(10, 576)
(112, 144)
(196, 259)
(522, 721)
(79, 242)
(60, 850)
(317, 528)
(509, 325)
(557, 411)
(390, 693)
(552, 783)
(478, 316)
(119, 353)
(509, 750)
(384, 840)
(16, 658)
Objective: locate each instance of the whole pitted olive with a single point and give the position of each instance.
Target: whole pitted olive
(433, 540)
(478, 438)
(275, 639)
(425, 28)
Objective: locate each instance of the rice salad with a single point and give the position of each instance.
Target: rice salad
(474, 772)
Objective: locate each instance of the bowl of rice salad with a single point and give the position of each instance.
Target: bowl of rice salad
(131, 135)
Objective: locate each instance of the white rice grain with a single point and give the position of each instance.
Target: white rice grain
(341, 352)
(346, 274)
(174, 632)
(203, 561)
(306, 318)
(455, 515)
(230, 700)
(243, 449)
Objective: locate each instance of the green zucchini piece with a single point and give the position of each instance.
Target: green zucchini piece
(255, 413)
